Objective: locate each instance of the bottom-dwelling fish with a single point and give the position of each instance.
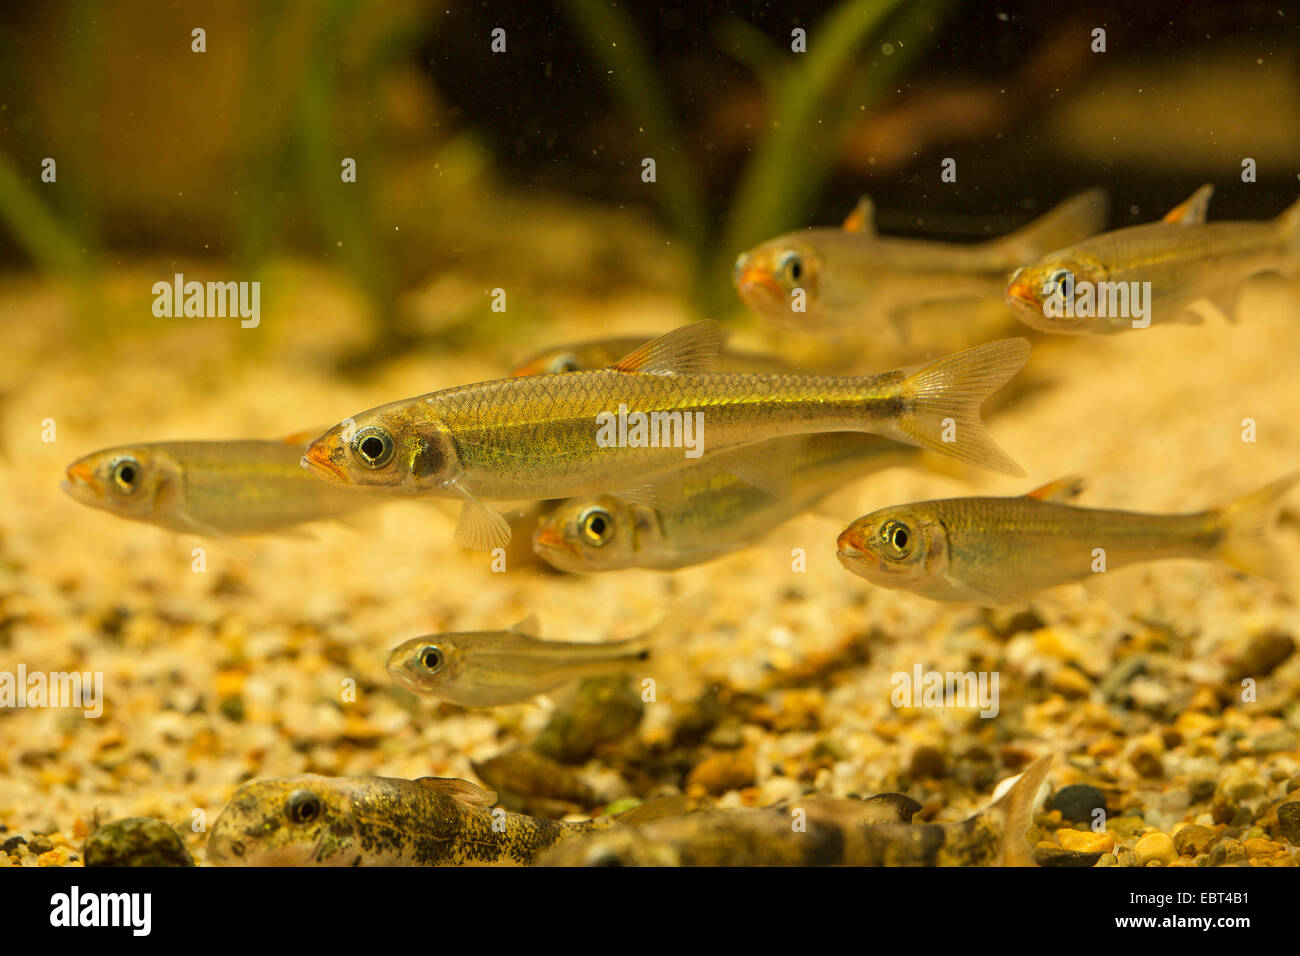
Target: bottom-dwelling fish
(705, 511)
(211, 488)
(831, 835)
(999, 551)
(493, 668)
(384, 821)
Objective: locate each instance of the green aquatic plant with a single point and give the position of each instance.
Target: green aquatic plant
(814, 97)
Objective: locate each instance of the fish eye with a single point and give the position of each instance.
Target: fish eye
(126, 475)
(791, 266)
(373, 447)
(431, 658)
(897, 538)
(568, 362)
(303, 807)
(1057, 279)
(597, 526)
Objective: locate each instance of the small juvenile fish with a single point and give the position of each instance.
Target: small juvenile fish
(493, 668)
(1184, 259)
(602, 353)
(998, 551)
(548, 436)
(378, 821)
(211, 488)
(834, 835)
(705, 512)
(854, 277)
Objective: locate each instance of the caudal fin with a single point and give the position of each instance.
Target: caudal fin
(1016, 807)
(945, 398)
(1247, 523)
(1075, 219)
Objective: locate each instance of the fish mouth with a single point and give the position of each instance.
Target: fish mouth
(1020, 295)
(549, 539)
(81, 483)
(851, 557)
(319, 462)
(757, 285)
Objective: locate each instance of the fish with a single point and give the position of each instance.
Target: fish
(997, 552)
(709, 511)
(834, 835)
(549, 436)
(311, 820)
(208, 488)
(602, 353)
(1185, 260)
(494, 668)
(826, 280)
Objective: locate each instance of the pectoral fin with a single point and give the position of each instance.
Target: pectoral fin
(765, 467)
(480, 528)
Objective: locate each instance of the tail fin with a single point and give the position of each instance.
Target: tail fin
(1246, 524)
(1289, 223)
(1075, 219)
(945, 398)
(1017, 809)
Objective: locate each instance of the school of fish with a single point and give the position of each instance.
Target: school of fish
(665, 452)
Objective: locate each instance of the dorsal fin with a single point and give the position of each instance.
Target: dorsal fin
(470, 794)
(691, 348)
(1061, 490)
(1191, 211)
(528, 627)
(863, 218)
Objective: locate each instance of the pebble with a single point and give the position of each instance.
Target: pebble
(1194, 839)
(1259, 848)
(1279, 740)
(1155, 847)
(1086, 841)
(1228, 851)
(1147, 762)
(927, 764)
(1126, 826)
(136, 841)
(722, 772)
(1077, 802)
(40, 844)
(11, 845)
(1263, 655)
(604, 709)
(1288, 821)
(1056, 856)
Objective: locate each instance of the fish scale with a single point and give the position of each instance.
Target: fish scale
(552, 436)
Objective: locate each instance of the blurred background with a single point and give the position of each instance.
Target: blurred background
(522, 169)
